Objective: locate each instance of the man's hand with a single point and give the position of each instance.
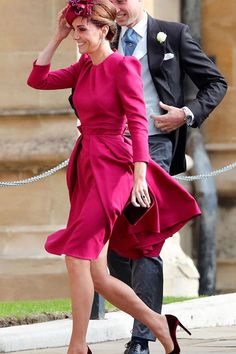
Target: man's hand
(173, 119)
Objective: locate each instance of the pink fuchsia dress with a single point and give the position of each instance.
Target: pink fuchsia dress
(100, 171)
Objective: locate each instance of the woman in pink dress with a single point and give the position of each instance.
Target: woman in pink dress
(106, 170)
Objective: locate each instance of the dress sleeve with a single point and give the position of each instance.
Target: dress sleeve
(130, 88)
(42, 78)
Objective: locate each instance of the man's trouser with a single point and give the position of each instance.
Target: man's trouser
(145, 275)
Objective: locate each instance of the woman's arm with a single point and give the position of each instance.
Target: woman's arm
(130, 89)
(41, 77)
(61, 32)
(131, 94)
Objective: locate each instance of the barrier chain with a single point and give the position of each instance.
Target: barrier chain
(207, 175)
(37, 178)
(63, 164)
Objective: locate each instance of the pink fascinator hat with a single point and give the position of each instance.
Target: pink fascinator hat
(77, 8)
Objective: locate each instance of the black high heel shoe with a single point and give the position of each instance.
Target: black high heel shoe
(89, 351)
(173, 323)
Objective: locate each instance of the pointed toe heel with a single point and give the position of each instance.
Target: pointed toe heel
(173, 323)
(89, 351)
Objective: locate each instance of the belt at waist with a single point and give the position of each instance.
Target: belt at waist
(87, 130)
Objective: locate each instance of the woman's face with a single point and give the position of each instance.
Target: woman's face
(87, 35)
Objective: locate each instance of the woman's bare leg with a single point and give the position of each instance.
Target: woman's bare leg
(82, 293)
(123, 297)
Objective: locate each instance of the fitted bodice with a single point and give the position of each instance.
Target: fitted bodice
(105, 95)
(96, 97)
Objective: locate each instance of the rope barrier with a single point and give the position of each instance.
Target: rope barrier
(63, 164)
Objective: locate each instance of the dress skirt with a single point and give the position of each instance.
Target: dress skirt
(100, 181)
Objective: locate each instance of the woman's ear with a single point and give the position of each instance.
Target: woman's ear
(105, 30)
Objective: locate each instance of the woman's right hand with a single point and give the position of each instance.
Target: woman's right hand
(61, 32)
(62, 27)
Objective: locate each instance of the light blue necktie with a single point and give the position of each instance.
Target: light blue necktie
(130, 40)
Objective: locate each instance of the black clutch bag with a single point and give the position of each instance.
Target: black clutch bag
(135, 214)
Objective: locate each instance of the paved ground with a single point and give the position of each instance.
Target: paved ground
(217, 340)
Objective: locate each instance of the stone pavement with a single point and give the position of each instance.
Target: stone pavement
(217, 340)
(208, 319)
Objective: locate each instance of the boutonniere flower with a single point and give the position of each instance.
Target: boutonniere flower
(161, 37)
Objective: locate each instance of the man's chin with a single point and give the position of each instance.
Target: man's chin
(122, 21)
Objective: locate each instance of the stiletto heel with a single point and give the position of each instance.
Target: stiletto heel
(184, 328)
(173, 323)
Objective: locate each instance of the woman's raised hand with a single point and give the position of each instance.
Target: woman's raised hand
(61, 32)
(62, 27)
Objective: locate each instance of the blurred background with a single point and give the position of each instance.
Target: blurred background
(38, 130)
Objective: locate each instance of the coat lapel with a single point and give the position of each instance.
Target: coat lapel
(156, 53)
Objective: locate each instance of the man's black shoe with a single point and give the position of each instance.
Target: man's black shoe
(135, 347)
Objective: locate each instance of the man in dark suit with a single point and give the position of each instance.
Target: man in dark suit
(167, 52)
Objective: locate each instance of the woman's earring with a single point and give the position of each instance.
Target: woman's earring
(102, 39)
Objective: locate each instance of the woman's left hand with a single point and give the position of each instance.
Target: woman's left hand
(140, 195)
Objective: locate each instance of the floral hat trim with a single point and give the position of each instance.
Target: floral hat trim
(77, 8)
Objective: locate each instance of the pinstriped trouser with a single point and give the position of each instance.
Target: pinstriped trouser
(145, 275)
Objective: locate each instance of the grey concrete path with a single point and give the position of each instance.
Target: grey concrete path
(217, 340)
(205, 313)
